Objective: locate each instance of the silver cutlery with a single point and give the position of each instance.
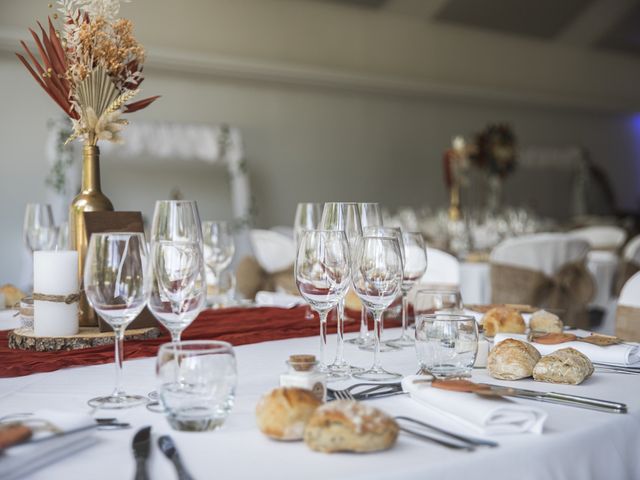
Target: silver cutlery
(465, 441)
(141, 449)
(370, 391)
(168, 447)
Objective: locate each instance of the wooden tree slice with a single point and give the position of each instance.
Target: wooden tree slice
(24, 339)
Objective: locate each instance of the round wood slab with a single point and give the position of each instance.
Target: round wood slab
(87, 337)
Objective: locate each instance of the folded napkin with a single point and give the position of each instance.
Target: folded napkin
(21, 460)
(274, 251)
(621, 354)
(487, 416)
(276, 299)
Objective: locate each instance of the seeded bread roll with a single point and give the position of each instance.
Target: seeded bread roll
(566, 365)
(283, 413)
(543, 321)
(512, 359)
(502, 319)
(349, 426)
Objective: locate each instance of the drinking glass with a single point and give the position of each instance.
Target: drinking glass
(370, 216)
(196, 382)
(307, 218)
(176, 220)
(322, 276)
(116, 287)
(38, 229)
(434, 300)
(395, 233)
(219, 247)
(344, 217)
(377, 278)
(415, 265)
(446, 344)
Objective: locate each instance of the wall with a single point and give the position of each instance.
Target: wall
(338, 139)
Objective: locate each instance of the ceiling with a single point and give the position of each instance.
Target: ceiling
(612, 25)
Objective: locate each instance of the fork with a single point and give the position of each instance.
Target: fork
(376, 390)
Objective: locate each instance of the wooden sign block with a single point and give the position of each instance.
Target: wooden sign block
(101, 222)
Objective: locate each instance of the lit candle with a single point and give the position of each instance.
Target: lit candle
(55, 273)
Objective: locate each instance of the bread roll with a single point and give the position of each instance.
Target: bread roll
(543, 321)
(349, 426)
(512, 359)
(503, 319)
(566, 365)
(12, 295)
(283, 413)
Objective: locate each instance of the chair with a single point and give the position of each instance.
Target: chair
(544, 270)
(602, 237)
(443, 269)
(628, 312)
(629, 264)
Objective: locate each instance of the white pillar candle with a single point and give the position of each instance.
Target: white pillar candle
(483, 353)
(55, 273)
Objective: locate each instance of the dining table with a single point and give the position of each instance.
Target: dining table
(574, 444)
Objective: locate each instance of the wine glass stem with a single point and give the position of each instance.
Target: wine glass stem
(323, 336)
(364, 328)
(377, 327)
(119, 358)
(175, 335)
(405, 308)
(340, 327)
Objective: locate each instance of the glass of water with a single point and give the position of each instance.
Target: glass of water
(446, 344)
(197, 382)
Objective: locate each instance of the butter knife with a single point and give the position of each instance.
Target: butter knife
(168, 447)
(141, 449)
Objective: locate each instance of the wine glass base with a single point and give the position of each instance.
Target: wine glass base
(360, 341)
(377, 375)
(153, 395)
(384, 347)
(116, 402)
(401, 342)
(333, 375)
(344, 369)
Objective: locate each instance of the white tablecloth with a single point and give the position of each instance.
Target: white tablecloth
(576, 444)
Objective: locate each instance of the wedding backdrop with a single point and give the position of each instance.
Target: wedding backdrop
(404, 233)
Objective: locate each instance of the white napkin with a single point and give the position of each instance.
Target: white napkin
(621, 354)
(276, 299)
(21, 460)
(274, 251)
(488, 416)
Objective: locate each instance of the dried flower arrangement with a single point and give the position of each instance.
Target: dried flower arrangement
(91, 67)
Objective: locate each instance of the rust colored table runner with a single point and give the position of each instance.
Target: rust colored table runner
(238, 326)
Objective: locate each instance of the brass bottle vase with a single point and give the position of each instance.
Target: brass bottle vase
(90, 199)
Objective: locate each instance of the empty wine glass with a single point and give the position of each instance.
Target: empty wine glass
(377, 278)
(322, 277)
(307, 218)
(219, 247)
(176, 220)
(438, 300)
(370, 216)
(39, 230)
(344, 217)
(116, 287)
(415, 265)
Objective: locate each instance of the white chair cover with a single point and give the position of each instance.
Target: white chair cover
(602, 236)
(632, 250)
(274, 251)
(630, 294)
(443, 268)
(543, 252)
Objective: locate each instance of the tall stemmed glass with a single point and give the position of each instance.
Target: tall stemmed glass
(38, 229)
(344, 217)
(219, 247)
(415, 265)
(396, 234)
(377, 278)
(322, 276)
(307, 218)
(370, 216)
(116, 287)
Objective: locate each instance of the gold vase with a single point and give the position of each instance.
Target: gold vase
(90, 199)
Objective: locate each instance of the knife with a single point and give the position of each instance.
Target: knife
(141, 448)
(168, 447)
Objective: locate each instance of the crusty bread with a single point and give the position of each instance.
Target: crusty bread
(503, 319)
(349, 426)
(566, 365)
(283, 413)
(512, 359)
(543, 321)
(12, 295)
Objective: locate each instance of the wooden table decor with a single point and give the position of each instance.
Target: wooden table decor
(87, 337)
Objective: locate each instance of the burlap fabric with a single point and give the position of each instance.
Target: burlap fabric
(628, 323)
(252, 278)
(626, 270)
(570, 289)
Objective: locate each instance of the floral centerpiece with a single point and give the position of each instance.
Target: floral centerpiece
(91, 67)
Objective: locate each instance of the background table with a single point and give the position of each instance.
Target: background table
(578, 444)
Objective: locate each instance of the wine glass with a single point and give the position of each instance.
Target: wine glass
(219, 248)
(176, 220)
(322, 277)
(39, 230)
(307, 218)
(116, 287)
(370, 216)
(377, 278)
(438, 300)
(396, 234)
(415, 265)
(344, 217)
